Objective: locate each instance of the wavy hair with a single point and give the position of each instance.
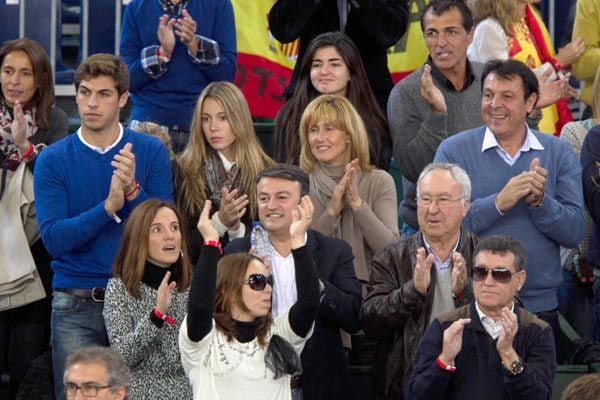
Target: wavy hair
(338, 111)
(231, 272)
(506, 12)
(43, 98)
(249, 154)
(130, 261)
(358, 91)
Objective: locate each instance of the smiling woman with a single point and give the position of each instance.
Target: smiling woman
(146, 301)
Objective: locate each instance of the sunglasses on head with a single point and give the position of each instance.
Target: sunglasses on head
(258, 282)
(500, 275)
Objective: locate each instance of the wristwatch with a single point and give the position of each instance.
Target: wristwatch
(516, 368)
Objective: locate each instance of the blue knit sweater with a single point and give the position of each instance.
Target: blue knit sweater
(559, 221)
(71, 182)
(170, 98)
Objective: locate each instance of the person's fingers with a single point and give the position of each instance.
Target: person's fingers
(165, 279)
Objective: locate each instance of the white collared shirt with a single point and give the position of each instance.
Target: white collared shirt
(492, 327)
(100, 149)
(530, 143)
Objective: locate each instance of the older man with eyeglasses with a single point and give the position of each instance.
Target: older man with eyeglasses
(417, 278)
(491, 348)
(96, 372)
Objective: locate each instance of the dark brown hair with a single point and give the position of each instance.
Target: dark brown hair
(104, 65)
(358, 91)
(43, 98)
(132, 255)
(231, 272)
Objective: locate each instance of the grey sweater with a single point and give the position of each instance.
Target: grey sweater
(417, 131)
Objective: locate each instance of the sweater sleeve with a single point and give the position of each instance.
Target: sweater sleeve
(304, 311)
(202, 294)
(416, 130)
(131, 337)
(587, 26)
(379, 221)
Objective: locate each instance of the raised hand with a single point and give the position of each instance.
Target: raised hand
(233, 207)
(336, 204)
(422, 272)
(116, 196)
(459, 273)
(571, 52)
(453, 340)
(164, 294)
(185, 29)
(205, 225)
(352, 197)
(515, 189)
(431, 93)
(165, 34)
(510, 326)
(124, 164)
(19, 129)
(301, 219)
(538, 183)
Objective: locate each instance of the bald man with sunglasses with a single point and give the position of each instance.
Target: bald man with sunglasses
(491, 348)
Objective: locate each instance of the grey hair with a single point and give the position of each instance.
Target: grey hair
(459, 175)
(117, 371)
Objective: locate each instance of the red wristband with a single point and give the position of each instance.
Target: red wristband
(136, 187)
(442, 365)
(164, 317)
(214, 243)
(29, 152)
(556, 65)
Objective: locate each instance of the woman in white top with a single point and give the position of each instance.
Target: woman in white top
(231, 347)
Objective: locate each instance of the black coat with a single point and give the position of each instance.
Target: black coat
(324, 368)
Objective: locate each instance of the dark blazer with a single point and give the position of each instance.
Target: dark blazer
(324, 368)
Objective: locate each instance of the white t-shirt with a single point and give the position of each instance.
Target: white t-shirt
(222, 370)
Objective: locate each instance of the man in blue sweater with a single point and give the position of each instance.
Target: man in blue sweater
(525, 184)
(85, 186)
(174, 49)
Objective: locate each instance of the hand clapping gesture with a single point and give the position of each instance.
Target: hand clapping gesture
(164, 294)
(453, 340)
(346, 191)
(459, 273)
(301, 219)
(422, 272)
(233, 208)
(205, 225)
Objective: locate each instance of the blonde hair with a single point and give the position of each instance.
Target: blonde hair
(596, 97)
(338, 111)
(506, 12)
(249, 154)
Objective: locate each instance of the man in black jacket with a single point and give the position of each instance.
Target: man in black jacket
(325, 373)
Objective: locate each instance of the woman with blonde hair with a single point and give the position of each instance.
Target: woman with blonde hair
(514, 29)
(353, 200)
(231, 346)
(219, 164)
(146, 301)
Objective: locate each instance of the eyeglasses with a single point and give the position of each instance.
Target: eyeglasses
(87, 389)
(500, 275)
(258, 282)
(442, 201)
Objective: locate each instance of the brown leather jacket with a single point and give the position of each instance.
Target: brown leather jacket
(397, 315)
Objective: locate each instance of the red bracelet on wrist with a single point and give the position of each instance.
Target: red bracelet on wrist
(164, 317)
(214, 243)
(29, 152)
(136, 187)
(556, 65)
(444, 366)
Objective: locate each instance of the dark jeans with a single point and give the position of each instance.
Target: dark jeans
(76, 322)
(24, 335)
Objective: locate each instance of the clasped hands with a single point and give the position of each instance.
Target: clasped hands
(530, 185)
(184, 28)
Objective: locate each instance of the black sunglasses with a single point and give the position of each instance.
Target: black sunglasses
(500, 275)
(258, 282)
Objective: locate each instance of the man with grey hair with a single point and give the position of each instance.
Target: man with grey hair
(98, 372)
(417, 278)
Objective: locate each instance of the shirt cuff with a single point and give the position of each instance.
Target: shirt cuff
(497, 208)
(150, 62)
(239, 233)
(208, 51)
(221, 229)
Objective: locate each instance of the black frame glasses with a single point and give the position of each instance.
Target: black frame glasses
(87, 389)
(500, 275)
(259, 282)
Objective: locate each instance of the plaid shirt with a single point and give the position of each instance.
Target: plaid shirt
(208, 49)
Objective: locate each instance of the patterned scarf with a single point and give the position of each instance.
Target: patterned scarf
(7, 146)
(173, 9)
(217, 178)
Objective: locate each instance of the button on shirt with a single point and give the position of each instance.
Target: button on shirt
(492, 327)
